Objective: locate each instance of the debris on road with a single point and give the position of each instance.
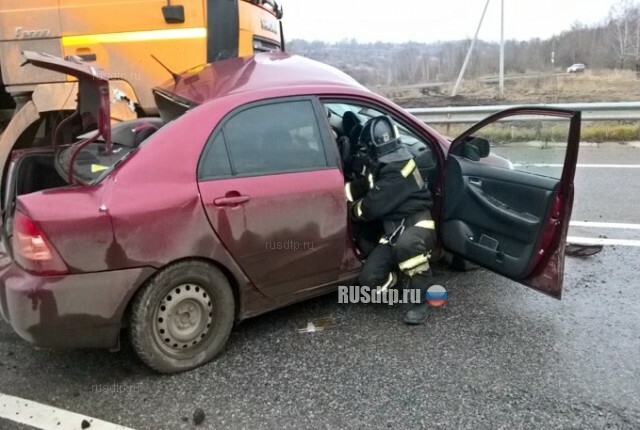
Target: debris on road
(198, 416)
(85, 424)
(577, 250)
(319, 324)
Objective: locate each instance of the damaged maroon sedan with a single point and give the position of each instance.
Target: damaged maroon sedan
(174, 228)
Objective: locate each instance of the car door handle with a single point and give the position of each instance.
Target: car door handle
(231, 201)
(475, 181)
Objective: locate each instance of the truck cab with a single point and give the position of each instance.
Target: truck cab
(122, 37)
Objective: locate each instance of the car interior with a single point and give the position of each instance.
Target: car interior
(493, 215)
(93, 161)
(346, 122)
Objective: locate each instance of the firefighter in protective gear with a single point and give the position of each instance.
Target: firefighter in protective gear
(398, 196)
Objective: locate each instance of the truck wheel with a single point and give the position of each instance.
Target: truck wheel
(182, 317)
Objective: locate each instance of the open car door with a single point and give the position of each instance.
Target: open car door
(511, 217)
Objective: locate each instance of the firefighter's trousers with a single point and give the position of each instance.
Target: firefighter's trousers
(406, 251)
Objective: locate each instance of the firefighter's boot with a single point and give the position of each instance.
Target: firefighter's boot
(419, 312)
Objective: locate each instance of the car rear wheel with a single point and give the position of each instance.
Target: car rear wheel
(183, 317)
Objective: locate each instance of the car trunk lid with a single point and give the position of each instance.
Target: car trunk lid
(93, 108)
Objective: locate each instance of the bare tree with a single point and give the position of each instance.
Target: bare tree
(615, 42)
(635, 19)
(621, 25)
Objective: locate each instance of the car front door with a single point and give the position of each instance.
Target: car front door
(510, 215)
(273, 191)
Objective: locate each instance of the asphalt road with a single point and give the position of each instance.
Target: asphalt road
(497, 355)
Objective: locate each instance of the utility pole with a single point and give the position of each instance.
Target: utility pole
(501, 48)
(466, 60)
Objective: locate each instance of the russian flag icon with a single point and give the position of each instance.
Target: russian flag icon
(436, 295)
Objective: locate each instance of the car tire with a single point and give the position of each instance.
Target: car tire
(182, 317)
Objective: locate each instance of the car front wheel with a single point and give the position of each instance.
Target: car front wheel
(182, 317)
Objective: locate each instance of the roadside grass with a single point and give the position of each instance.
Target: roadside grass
(601, 85)
(525, 132)
(610, 133)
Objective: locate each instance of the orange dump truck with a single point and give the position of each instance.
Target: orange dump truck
(122, 37)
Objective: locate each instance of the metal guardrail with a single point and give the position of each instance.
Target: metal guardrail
(623, 111)
(620, 111)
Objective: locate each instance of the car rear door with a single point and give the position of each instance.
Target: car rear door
(511, 215)
(273, 191)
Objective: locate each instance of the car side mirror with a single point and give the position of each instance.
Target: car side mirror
(476, 148)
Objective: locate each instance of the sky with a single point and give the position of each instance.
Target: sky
(432, 20)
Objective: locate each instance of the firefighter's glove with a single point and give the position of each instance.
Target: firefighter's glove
(356, 189)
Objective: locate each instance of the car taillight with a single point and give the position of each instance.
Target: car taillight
(32, 250)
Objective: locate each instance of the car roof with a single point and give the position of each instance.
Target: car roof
(255, 73)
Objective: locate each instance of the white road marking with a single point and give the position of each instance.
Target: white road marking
(601, 241)
(598, 166)
(46, 417)
(597, 224)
